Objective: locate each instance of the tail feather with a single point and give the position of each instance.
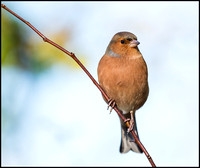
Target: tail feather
(127, 143)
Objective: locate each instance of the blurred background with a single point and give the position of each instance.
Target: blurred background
(53, 115)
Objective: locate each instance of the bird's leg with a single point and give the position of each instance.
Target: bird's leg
(111, 103)
(131, 122)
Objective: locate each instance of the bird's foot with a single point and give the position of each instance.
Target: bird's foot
(111, 103)
(131, 122)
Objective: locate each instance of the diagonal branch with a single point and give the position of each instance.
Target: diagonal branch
(72, 55)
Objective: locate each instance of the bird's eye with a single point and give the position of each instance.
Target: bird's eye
(129, 39)
(122, 41)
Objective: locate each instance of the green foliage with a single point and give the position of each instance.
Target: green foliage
(20, 49)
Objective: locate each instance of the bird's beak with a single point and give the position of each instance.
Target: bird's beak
(134, 43)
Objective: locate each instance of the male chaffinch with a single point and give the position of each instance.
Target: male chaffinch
(122, 73)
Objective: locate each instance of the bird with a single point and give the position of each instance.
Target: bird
(123, 75)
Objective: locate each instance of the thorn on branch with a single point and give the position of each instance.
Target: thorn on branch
(44, 39)
(71, 53)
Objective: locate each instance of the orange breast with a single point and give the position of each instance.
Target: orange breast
(124, 80)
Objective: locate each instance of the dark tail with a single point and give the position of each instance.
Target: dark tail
(127, 143)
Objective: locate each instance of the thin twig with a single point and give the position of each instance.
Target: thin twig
(72, 55)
